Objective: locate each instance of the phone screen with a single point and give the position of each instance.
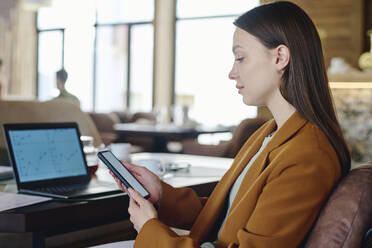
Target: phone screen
(131, 181)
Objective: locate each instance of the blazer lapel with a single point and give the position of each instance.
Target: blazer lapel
(216, 201)
(287, 131)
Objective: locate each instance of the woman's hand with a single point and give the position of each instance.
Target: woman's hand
(148, 179)
(140, 209)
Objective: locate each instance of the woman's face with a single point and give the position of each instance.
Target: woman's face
(254, 69)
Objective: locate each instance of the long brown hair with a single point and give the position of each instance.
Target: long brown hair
(305, 82)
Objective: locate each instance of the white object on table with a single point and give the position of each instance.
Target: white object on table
(6, 172)
(121, 150)
(154, 165)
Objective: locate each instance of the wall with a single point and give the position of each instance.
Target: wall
(341, 23)
(18, 48)
(355, 115)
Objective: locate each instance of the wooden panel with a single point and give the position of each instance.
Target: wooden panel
(342, 22)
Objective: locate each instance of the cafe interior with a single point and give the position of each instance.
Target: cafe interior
(151, 79)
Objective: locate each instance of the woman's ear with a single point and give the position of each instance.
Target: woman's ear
(282, 57)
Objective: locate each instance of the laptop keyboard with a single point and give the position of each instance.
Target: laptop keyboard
(64, 189)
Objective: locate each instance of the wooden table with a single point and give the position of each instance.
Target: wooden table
(56, 217)
(163, 133)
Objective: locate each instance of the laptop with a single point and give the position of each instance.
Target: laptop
(48, 160)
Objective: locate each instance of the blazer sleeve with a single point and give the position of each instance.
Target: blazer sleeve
(289, 204)
(179, 207)
(154, 233)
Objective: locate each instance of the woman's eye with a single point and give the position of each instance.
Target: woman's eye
(239, 59)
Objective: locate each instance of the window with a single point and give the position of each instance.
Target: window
(124, 55)
(124, 11)
(101, 42)
(142, 68)
(111, 64)
(204, 59)
(79, 44)
(50, 56)
(77, 49)
(124, 63)
(213, 8)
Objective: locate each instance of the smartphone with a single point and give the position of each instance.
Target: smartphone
(124, 175)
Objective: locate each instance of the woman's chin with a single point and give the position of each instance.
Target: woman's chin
(252, 102)
(248, 102)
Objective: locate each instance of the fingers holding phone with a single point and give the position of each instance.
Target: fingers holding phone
(122, 173)
(149, 180)
(140, 210)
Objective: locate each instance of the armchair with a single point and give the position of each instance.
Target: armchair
(105, 124)
(346, 219)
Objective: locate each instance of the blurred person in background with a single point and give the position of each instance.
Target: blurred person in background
(61, 78)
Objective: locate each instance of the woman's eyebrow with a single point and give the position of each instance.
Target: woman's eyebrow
(236, 47)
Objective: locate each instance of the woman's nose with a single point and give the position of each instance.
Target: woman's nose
(233, 73)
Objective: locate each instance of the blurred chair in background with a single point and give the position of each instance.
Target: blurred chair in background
(147, 117)
(105, 124)
(225, 148)
(126, 116)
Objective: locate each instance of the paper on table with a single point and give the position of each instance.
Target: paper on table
(11, 200)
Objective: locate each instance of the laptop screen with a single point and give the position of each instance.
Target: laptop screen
(42, 154)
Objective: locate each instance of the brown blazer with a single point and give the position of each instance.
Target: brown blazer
(276, 204)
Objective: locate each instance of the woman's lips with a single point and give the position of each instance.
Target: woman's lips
(239, 88)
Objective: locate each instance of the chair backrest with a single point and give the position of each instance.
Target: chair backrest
(50, 111)
(104, 121)
(144, 116)
(347, 215)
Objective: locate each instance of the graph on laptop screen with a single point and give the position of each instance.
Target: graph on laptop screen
(47, 153)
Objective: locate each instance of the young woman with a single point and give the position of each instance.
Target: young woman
(281, 177)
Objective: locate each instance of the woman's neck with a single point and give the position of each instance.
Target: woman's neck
(281, 109)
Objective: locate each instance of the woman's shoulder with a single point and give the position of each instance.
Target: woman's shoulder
(300, 135)
(311, 138)
(309, 145)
